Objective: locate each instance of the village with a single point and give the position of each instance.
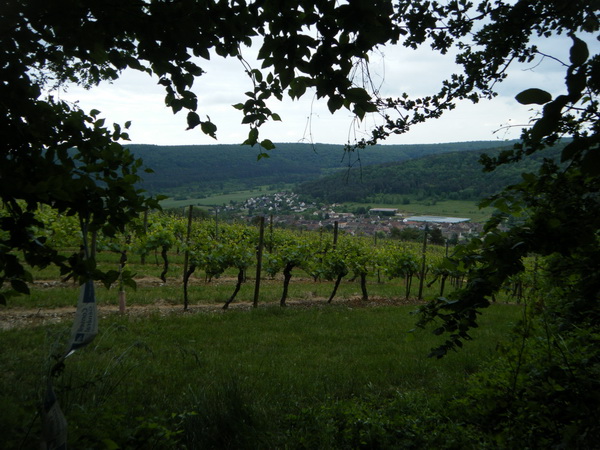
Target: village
(288, 210)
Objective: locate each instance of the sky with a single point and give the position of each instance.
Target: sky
(137, 97)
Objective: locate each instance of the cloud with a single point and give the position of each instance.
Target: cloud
(137, 97)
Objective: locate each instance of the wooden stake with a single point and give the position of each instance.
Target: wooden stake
(259, 252)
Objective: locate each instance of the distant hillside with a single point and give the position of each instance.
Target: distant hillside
(455, 175)
(210, 168)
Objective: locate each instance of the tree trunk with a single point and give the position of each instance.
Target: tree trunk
(240, 280)
(335, 287)
(163, 253)
(186, 278)
(363, 287)
(287, 276)
(442, 285)
(408, 285)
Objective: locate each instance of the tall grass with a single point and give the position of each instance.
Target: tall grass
(240, 379)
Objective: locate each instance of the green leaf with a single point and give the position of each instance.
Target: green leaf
(239, 106)
(252, 137)
(267, 144)
(533, 95)
(262, 155)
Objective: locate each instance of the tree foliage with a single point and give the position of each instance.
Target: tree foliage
(559, 205)
(450, 175)
(548, 378)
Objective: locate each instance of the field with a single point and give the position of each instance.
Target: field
(451, 208)
(219, 199)
(348, 374)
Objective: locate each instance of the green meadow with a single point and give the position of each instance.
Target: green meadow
(219, 199)
(326, 376)
(450, 208)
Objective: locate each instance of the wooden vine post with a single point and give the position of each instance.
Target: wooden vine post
(271, 233)
(259, 252)
(216, 224)
(335, 234)
(143, 257)
(422, 280)
(186, 259)
(122, 263)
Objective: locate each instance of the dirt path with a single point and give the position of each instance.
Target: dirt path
(11, 318)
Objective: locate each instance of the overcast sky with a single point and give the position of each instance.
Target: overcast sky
(138, 98)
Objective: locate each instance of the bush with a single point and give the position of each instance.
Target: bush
(544, 392)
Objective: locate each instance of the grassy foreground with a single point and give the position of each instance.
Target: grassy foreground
(320, 377)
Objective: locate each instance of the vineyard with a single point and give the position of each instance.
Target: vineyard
(207, 261)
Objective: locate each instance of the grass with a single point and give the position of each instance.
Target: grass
(231, 380)
(220, 199)
(451, 208)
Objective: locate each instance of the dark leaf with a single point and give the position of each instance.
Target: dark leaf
(579, 52)
(209, 128)
(252, 137)
(533, 95)
(267, 144)
(335, 103)
(20, 286)
(590, 164)
(193, 120)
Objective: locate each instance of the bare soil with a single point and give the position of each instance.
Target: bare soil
(18, 317)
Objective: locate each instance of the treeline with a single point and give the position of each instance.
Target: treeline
(210, 168)
(457, 176)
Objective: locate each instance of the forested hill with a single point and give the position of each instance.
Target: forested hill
(455, 175)
(199, 168)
